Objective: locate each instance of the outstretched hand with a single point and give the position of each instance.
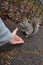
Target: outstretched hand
(15, 38)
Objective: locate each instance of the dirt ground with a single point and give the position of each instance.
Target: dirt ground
(30, 53)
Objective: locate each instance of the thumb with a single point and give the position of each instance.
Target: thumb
(15, 31)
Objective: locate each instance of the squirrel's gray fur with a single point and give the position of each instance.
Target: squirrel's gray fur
(30, 28)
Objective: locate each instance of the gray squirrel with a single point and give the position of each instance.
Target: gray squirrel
(30, 28)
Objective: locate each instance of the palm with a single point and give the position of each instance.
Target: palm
(15, 38)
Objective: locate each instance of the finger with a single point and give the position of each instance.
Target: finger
(17, 42)
(19, 38)
(14, 32)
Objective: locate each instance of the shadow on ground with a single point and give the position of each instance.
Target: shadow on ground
(30, 53)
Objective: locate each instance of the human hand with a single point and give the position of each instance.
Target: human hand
(15, 38)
